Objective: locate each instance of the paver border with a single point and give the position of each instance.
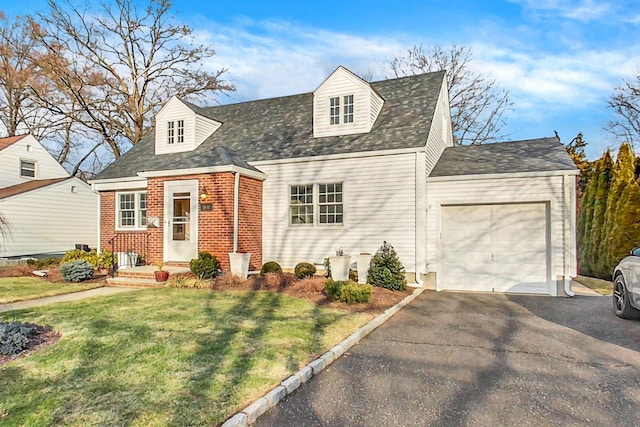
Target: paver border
(250, 414)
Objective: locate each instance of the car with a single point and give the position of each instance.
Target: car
(626, 286)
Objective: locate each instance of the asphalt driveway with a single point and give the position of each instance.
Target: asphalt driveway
(452, 359)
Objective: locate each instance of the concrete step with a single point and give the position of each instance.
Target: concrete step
(134, 282)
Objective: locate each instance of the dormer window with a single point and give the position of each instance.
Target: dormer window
(346, 112)
(334, 110)
(348, 109)
(172, 127)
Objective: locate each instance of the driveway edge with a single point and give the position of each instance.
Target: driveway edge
(250, 414)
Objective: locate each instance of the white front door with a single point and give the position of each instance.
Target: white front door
(181, 220)
(495, 248)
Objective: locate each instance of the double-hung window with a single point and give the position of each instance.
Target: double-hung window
(171, 132)
(341, 110)
(131, 210)
(348, 109)
(334, 110)
(316, 204)
(27, 169)
(180, 131)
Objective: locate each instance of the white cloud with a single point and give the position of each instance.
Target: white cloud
(580, 10)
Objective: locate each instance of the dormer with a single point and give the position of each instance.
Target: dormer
(344, 104)
(180, 128)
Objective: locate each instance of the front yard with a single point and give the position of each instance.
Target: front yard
(164, 356)
(14, 289)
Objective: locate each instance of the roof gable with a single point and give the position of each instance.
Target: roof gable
(10, 140)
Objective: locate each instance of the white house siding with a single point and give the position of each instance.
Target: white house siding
(376, 106)
(50, 219)
(492, 190)
(379, 200)
(339, 84)
(440, 135)
(204, 128)
(46, 166)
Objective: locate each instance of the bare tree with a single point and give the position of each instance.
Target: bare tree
(110, 70)
(625, 102)
(477, 103)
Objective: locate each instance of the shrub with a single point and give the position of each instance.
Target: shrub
(187, 281)
(206, 266)
(349, 292)
(386, 270)
(43, 263)
(270, 267)
(106, 259)
(76, 271)
(16, 337)
(353, 276)
(304, 269)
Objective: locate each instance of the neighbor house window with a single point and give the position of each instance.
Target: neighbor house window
(348, 109)
(131, 210)
(334, 110)
(170, 132)
(27, 169)
(316, 204)
(180, 131)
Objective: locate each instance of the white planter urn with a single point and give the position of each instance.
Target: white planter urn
(362, 264)
(239, 263)
(340, 267)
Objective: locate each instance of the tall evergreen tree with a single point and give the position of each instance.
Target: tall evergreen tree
(585, 217)
(603, 184)
(623, 174)
(626, 230)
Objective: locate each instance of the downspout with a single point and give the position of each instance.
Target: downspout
(98, 228)
(236, 204)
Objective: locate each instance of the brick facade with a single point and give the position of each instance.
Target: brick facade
(215, 227)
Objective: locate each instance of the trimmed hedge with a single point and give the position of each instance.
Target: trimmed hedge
(304, 269)
(349, 292)
(270, 267)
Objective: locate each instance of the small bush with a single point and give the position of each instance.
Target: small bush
(76, 271)
(186, 281)
(386, 270)
(16, 337)
(349, 292)
(353, 275)
(304, 269)
(270, 267)
(106, 260)
(206, 266)
(39, 264)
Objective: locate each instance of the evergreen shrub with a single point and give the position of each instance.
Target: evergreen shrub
(349, 292)
(76, 271)
(16, 337)
(304, 269)
(386, 270)
(270, 267)
(206, 266)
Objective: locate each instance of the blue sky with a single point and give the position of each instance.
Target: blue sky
(560, 60)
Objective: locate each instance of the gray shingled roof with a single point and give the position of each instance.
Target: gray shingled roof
(532, 155)
(282, 128)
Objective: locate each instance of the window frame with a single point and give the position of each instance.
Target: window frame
(22, 168)
(180, 132)
(316, 205)
(334, 110)
(140, 220)
(171, 132)
(348, 107)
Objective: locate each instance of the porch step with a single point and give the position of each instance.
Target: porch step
(134, 282)
(148, 271)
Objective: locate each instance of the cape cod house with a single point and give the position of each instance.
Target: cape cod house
(46, 209)
(349, 166)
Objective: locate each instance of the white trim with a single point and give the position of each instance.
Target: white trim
(115, 186)
(203, 170)
(570, 244)
(350, 155)
(476, 177)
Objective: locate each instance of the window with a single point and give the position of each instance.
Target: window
(27, 169)
(334, 110)
(170, 132)
(348, 109)
(131, 210)
(180, 131)
(316, 204)
(301, 204)
(330, 203)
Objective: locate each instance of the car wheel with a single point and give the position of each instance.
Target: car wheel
(621, 305)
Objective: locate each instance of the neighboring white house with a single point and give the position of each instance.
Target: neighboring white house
(47, 210)
(349, 166)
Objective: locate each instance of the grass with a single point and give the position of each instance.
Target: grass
(603, 287)
(14, 289)
(164, 356)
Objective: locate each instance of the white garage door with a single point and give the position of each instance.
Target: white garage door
(495, 248)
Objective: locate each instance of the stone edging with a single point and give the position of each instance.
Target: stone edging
(250, 414)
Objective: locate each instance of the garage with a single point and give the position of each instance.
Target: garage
(495, 248)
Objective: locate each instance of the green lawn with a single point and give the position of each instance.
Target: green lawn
(14, 289)
(164, 356)
(603, 287)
